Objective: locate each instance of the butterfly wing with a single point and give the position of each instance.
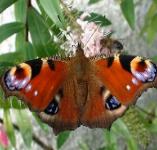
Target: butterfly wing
(67, 117)
(43, 85)
(120, 80)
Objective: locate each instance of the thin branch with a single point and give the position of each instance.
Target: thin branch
(29, 4)
(35, 138)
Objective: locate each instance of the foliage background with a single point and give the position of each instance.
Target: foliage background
(134, 23)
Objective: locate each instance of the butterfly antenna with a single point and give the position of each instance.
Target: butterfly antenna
(91, 36)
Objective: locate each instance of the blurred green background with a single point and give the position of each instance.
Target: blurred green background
(35, 26)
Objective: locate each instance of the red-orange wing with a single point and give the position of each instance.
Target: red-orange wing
(44, 85)
(126, 77)
(116, 83)
(35, 81)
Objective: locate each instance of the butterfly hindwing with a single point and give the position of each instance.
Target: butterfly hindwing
(68, 111)
(96, 111)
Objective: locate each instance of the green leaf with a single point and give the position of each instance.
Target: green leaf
(93, 1)
(51, 25)
(151, 12)
(53, 10)
(25, 126)
(127, 7)
(39, 32)
(154, 58)
(149, 16)
(43, 126)
(134, 122)
(20, 41)
(11, 102)
(62, 138)
(120, 129)
(9, 29)
(30, 51)
(9, 126)
(110, 140)
(20, 15)
(14, 57)
(98, 19)
(21, 10)
(5, 4)
(151, 29)
(83, 146)
(14, 102)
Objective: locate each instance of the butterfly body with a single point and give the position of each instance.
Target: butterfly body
(79, 90)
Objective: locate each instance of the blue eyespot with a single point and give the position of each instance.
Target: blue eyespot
(52, 108)
(112, 103)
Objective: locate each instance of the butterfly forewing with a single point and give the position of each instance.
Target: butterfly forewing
(35, 81)
(126, 77)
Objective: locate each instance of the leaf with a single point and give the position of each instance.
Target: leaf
(154, 58)
(93, 1)
(62, 138)
(43, 126)
(24, 124)
(83, 146)
(149, 16)
(127, 7)
(13, 57)
(120, 129)
(151, 29)
(20, 41)
(9, 126)
(20, 15)
(21, 10)
(49, 22)
(53, 10)
(98, 19)
(134, 122)
(5, 4)
(39, 32)
(30, 51)
(11, 102)
(9, 29)
(110, 140)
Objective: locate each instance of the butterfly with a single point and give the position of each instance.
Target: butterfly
(93, 92)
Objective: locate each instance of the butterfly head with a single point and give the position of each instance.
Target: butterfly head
(79, 50)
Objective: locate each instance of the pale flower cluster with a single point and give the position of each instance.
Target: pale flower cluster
(91, 37)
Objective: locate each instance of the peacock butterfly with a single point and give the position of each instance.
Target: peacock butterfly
(70, 92)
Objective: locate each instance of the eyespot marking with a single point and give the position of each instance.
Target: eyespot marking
(112, 103)
(52, 108)
(143, 70)
(17, 77)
